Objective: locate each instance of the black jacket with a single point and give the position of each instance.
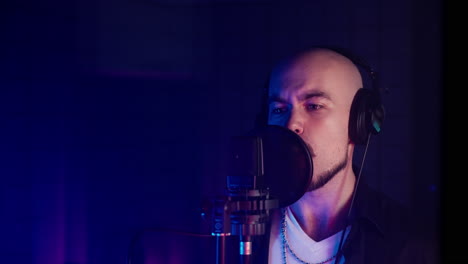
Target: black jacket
(383, 231)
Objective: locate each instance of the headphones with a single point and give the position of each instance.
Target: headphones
(367, 111)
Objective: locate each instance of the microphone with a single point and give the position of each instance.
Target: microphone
(269, 167)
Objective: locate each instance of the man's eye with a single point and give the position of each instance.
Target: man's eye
(314, 107)
(278, 110)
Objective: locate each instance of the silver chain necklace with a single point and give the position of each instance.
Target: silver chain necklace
(285, 243)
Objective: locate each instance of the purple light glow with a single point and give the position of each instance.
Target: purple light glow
(49, 225)
(59, 227)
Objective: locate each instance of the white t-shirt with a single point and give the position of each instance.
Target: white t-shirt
(303, 246)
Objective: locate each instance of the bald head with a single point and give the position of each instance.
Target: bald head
(316, 62)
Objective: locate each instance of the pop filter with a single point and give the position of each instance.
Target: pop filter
(270, 158)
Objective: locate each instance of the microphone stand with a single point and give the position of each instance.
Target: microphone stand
(245, 249)
(242, 215)
(220, 249)
(221, 227)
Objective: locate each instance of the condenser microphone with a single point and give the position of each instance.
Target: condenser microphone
(269, 159)
(269, 167)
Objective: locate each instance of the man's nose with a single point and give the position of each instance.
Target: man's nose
(295, 123)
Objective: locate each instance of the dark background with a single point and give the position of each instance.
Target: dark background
(116, 114)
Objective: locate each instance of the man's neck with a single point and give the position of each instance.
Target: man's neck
(322, 212)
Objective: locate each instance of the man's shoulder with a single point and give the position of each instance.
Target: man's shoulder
(390, 215)
(400, 229)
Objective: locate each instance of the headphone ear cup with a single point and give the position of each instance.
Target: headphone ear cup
(366, 116)
(377, 113)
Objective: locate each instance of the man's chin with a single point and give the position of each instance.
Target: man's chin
(322, 179)
(320, 182)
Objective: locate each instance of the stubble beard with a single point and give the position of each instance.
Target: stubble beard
(320, 180)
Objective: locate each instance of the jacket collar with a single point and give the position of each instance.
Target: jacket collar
(368, 208)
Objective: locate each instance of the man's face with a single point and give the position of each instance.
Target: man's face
(313, 99)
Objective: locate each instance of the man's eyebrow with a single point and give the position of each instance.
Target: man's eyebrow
(303, 97)
(277, 98)
(312, 94)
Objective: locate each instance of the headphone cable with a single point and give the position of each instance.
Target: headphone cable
(352, 201)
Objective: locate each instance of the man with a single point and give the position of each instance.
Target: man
(311, 94)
